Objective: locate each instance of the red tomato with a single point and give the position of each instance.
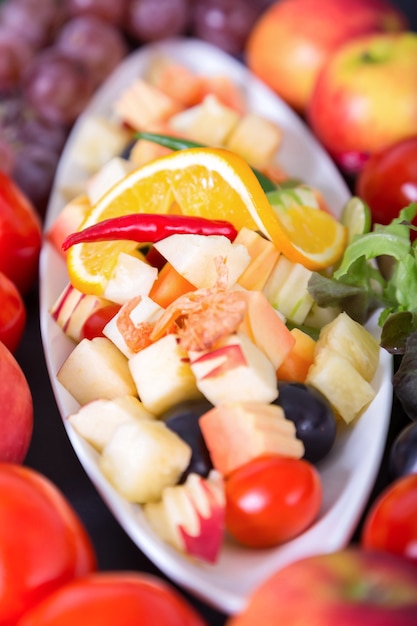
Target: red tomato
(42, 541)
(388, 180)
(12, 313)
(122, 598)
(20, 235)
(93, 326)
(271, 500)
(391, 523)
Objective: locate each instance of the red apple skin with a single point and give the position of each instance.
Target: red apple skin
(352, 586)
(366, 97)
(292, 40)
(16, 409)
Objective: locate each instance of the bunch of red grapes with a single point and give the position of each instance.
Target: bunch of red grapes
(55, 53)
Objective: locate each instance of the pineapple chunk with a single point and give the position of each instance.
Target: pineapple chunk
(143, 458)
(208, 123)
(97, 420)
(337, 378)
(348, 338)
(96, 369)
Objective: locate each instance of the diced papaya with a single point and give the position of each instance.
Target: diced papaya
(168, 286)
(226, 91)
(177, 81)
(237, 432)
(142, 104)
(296, 365)
(263, 254)
(266, 329)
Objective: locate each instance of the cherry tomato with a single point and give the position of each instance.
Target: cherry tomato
(388, 180)
(93, 326)
(391, 523)
(42, 541)
(20, 235)
(122, 598)
(271, 499)
(12, 313)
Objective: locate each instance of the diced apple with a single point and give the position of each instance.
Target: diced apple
(264, 326)
(256, 139)
(335, 376)
(99, 140)
(73, 308)
(352, 340)
(143, 458)
(111, 172)
(95, 370)
(295, 366)
(263, 254)
(319, 316)
(131, 277)
(191, 517)
(287, 290)
(193, 256)
(237, 432)
(97, 420)
(235, 370)
(163, 375)
(209, 122)
(68, 221)
(146, 311)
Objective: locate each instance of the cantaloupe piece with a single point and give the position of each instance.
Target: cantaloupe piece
(141, 105)
(263, 254)
(296, 365)
(226, 91)
(238, 432)
(266, 329)
(169, 286)
(177, 81)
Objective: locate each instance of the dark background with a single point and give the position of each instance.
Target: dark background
(52, 454)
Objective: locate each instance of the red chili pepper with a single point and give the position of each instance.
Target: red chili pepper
(149, 228)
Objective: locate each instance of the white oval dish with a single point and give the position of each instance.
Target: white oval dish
(349, 472)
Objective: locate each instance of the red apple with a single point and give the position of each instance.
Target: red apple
(292, 40)
(348, 587)
(16, 409)
(366, 97)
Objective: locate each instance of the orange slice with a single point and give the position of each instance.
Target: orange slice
(209, 182)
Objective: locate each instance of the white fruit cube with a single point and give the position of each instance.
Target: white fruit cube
(95, 370)
(111, 172)
(146, 311)
(191, 517)
(97, 420)
(235, 370)
(143, 458)
(193, 256)
(162, 375)
(131, 277)
(98, 141)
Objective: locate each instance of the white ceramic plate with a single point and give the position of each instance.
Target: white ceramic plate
(348, 473)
